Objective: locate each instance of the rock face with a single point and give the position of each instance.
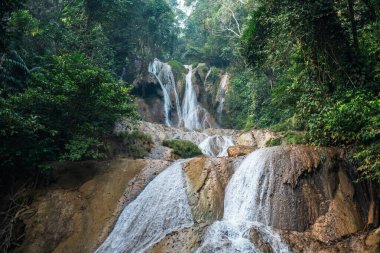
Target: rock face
(263, 136)
(309, 188)
(365, 242)
(313, 203)
(76, 217)
(160, 132)
(241, 150)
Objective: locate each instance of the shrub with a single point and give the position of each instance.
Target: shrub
(295, 138)
(177, 67)
(368, 159)
(275, 141)
(185, 149)
(66, 111)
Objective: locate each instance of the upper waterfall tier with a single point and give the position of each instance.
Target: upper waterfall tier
(192, 115)
(163, 73)
(195, 117)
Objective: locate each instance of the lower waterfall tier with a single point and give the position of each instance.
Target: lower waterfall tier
(282, 198)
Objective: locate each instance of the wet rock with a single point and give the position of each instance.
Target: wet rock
(240, 150)
(162, 153)
(308, 188)
(207, 179)
(183, 241)
(151, 109)
(246, 139)
(76, 217)
(259, 242)
(160, 132)
(364, 242)
(262, 136)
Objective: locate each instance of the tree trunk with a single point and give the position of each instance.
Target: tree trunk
(351, 12)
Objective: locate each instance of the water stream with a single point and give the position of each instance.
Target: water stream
(160, 209)
(164, 75)
(216, 146)
(246, 207)
(222, 94)
(195, 117)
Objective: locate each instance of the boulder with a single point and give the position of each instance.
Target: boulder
(240, 150)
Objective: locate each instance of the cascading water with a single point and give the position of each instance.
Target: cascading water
(216, 146)
(222, 91)
(246, 207)
(159, 210)
(194, 116)
(190, 104)
(165, 77)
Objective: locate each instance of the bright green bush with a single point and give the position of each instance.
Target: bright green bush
(177, 67)
(275, 141)
(184, 149)
(295, 138)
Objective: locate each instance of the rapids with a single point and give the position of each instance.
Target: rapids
(159, 210)
(246, 206)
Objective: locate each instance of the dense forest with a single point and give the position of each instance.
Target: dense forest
(305, 67)
(61, 63)
(308, 69)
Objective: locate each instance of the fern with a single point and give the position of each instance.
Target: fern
(13, 71)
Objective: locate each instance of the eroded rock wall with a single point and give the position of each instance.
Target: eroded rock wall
(315, 205)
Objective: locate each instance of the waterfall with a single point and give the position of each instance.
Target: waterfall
(246, 208)
(216, 146)
(159, 210)
(222, 93)
(194, 116)
(207, 75)
(190, 104)
(165, 77)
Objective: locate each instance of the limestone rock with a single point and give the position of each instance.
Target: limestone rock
(76, 215)
(364, 242)
(263, 136)
(207, 180)
(246, 139)
(240, 150)
(162, 153)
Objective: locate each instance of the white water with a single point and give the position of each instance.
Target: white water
(159, 210)
(216, 146)
(194, 116)
(222, 93)
(164, 75)
(190, 104)
(187, 9)
(245, 208)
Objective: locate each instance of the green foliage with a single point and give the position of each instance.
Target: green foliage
(184, 149)
(239, 101)
(321, 59)
(177, 68)
(194, 65)
(83, 147)
(369, 161)
(65, 111)
(293, 137)
(353, 117)
(212, 32)
(275, 141)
